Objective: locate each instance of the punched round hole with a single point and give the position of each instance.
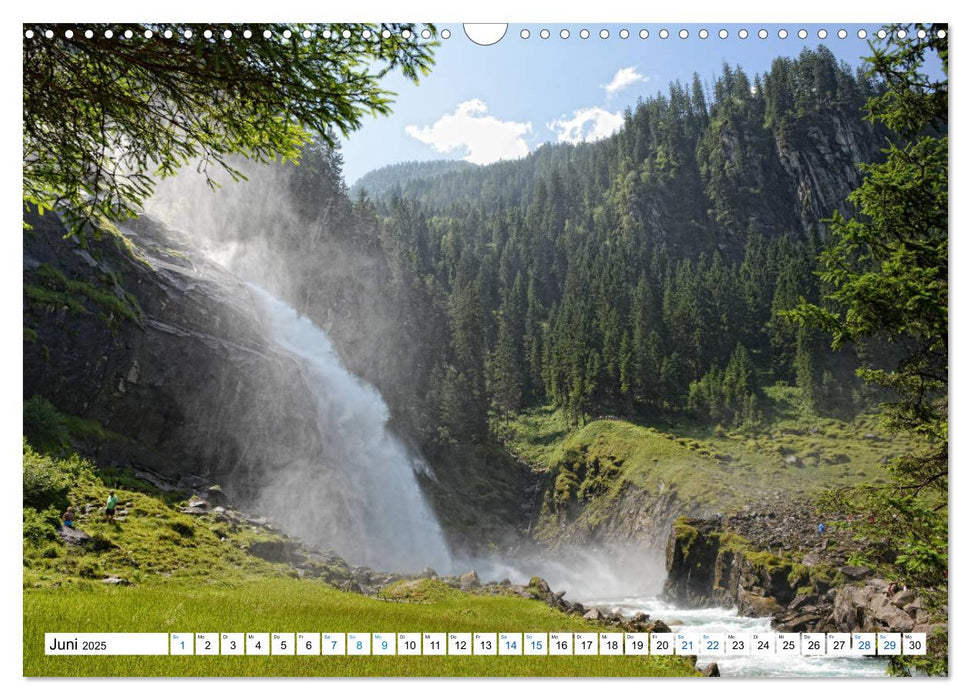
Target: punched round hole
(564, 33)
(167, 33)
(861, 33)
(604, 34)
(623, 33)
(29, 34)
(149, 34)
(524, 34)
(941, 34)
(267, 34)
(822, 34)
(882, 34)
(783, 33)
(227, 34)
(921, 34)
(901, 33)
(425, 34)
(544, 34)
(187, 33)
(108, 33)
(347, 34)
(643, 34)
(207, 34)
(763, 34)
(703, 34)
(584, 33)
(841, 33)
(68, 34)
(446, 34)
(287, 34)
(802, 33)
(743, 33)
(406, 34)
(664, 33)
(247, 34)
(722, 33)
(386, 34)
(306, 33)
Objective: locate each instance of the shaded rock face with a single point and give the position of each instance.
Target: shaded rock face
(824, 165)
(187, 384)
(703, 571)
(696, 574)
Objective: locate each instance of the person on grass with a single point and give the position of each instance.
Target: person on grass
(110, 506)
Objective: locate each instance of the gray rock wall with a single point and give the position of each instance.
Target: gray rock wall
(188, 386)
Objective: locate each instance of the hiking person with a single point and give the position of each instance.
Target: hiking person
(821, 528)
(110, 506)
(68, 517)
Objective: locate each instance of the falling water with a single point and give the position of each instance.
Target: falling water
(363, 497)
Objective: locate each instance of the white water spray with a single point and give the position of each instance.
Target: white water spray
(364, 499)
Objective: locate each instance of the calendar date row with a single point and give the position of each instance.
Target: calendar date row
(487, 644)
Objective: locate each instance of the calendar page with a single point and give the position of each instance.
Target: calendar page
(443, 349)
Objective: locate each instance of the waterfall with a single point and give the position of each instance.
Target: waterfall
(362, 496)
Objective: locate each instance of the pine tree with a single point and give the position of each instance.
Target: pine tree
(887, 272)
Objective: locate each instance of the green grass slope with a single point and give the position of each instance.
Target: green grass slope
(609, 463)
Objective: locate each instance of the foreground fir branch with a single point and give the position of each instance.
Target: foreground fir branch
(104, 117)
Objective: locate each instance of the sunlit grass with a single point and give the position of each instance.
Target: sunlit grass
(793, 455)
(287, 605)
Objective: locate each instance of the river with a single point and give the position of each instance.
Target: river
(726, 620)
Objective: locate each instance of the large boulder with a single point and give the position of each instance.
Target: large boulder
(752, 605)
(469, 580)
(72, 535)
(868, 608)
(277, 551)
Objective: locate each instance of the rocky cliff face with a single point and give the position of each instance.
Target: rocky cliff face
(822, 158)
(785, 182)
(165, 351)
(629, 515)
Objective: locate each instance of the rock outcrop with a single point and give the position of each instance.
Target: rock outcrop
(711, 564)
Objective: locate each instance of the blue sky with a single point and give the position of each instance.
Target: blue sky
(483, 103)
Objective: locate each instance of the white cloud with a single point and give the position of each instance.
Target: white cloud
(590, 124)
(483, 138)
(623, 78)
